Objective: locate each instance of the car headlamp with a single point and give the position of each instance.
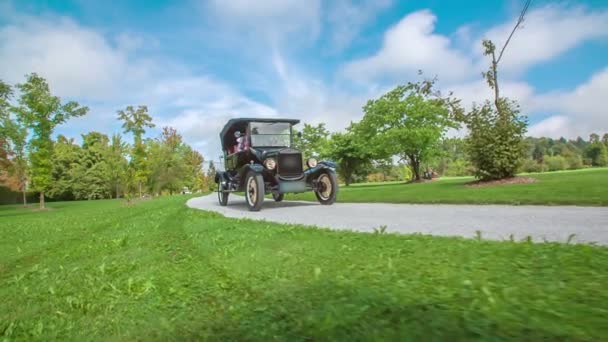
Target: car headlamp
(311, 162)
(270, 163)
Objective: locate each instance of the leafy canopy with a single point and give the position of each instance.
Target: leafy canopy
(409, 121)
(42, 112)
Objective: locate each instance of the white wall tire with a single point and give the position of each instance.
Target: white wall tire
(327, 188)
(254, 191)
(222, 196)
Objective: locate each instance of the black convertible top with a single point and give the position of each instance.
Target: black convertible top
(239, 123)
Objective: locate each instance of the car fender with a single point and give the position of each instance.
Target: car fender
(221, 176)
(322, 166)
(257, 168)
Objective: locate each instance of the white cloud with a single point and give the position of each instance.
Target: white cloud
(77, 62)
(479, 91)
(547, 32)
(346, 18)
(578, 112)
(272, 19)
(409, 46)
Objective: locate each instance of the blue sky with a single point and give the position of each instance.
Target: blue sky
(197, 63)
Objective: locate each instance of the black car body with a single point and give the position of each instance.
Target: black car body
(259, 159)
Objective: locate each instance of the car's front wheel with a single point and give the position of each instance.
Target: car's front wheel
(254, 191)
(222, 196)
(327, 188)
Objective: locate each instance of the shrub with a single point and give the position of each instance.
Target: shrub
(458, 168)
(531, 165)
(574, 161)
(495, 143)
(556, 163)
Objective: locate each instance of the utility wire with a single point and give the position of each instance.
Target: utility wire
(519, 21)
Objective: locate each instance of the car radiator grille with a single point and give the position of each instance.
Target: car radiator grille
(290, 164)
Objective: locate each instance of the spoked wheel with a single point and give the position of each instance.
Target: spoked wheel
(327, 188)
(254, 191)
(222, 196)
(277, 196)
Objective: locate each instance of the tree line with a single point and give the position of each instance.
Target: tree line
(403, 135)
(100, 166)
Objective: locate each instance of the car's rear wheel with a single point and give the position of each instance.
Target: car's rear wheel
(222, 196)
(277, 196)
(327, 188)
(254, 191)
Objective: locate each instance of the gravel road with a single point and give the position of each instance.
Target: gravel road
(496, 222)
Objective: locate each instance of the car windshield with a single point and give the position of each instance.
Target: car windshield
(270, 134)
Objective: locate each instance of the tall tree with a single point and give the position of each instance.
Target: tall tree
(496, 140)
(409, 121)
(42, 112)
(13, 135)
(166, 169)
(313, 140)
(67, 159)
(136, 121)
(93, 174)
(193, 162)
(210, 177)
(351, 154)
(118, 163)
(6, 126)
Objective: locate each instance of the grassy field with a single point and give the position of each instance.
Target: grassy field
(580, 187)
(160, 271)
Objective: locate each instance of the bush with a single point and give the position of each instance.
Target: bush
(458, 168)
(556, 163)
(531, 165)
(495, 143)
(574, 161)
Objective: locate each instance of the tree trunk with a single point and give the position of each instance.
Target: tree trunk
(495, 76)
(117, 191)
(41, 199)
(415, 164)
(139, 189)
(24, 196)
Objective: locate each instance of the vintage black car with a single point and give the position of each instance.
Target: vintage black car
(259, 159)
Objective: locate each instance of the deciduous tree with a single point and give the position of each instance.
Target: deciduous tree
(136, 121)
(408, 121)
(42, 112)
(350, 153)
(496, 130)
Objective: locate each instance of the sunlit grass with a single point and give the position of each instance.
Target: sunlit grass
(578, 187)
(99, 270)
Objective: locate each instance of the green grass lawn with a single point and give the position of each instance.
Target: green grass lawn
(580, 187)
(99, 270)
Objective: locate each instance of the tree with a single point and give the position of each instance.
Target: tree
(66, 161)
(313, 142)
(210, 177)
(495, 144)
(496, 132)
(136, 121)
(409, 122)
(42, 112)
(13, 135)
(349, 152)
(5, 130)
(605, 139)
(173, 164)
(193, 162)
(93, 175)
(597, 153)
(118, 164)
